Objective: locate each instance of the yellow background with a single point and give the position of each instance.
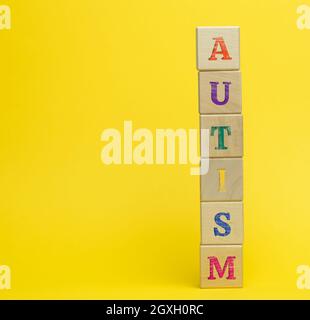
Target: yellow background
(72, 227)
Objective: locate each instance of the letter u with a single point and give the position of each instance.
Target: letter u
(214, 97)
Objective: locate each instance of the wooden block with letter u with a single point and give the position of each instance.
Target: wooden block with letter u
(219, 92)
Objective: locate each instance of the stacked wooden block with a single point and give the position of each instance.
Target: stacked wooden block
(221, 188)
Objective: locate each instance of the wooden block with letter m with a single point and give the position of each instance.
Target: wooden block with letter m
(220, 266)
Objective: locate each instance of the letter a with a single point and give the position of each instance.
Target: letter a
(219, 41)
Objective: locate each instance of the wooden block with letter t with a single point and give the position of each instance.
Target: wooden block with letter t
(223, 181)
(226, 135)
(220, 266)
(218, 48)
(221, 222)
(220, 92)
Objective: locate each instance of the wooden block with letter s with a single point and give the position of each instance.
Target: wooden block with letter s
(221, 222)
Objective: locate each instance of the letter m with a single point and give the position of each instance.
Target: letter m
(229, 266)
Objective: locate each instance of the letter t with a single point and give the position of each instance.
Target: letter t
(221, 134)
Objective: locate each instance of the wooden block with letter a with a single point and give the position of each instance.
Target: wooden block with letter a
(220, 266)
(218, 48)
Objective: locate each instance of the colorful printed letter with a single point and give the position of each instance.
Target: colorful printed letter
(221, 133)
(222, 175)
(219, 41)
(229, 263)
(222, 224)
(214, 93)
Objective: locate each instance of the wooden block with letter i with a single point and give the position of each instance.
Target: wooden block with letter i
(223, 181)
(218, 48)
(220, 266)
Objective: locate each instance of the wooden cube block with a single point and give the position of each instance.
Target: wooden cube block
(218, 48)
(220, 266)
(220, 92)
(221, 222)
(223, 181)
(226, 135)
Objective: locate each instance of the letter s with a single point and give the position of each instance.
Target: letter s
(222, 224)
